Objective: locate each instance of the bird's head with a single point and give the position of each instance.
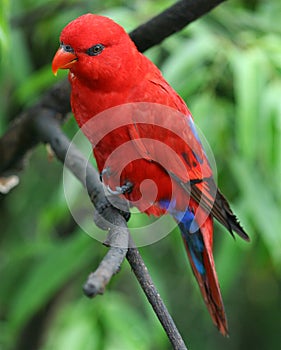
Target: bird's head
(95, 49)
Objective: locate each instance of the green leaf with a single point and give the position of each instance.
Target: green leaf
(49, 273)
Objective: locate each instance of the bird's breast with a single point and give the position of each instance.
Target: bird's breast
(117, 153)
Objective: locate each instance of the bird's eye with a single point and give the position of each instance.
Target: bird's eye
(95, 50)
(66, 48)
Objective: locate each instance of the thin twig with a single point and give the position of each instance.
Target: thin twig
(109, 266)
(144, 278)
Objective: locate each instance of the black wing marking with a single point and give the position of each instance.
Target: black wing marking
(219, 207)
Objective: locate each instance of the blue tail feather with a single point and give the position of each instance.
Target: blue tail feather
(190, 233)
(201, 260)
(194, 241)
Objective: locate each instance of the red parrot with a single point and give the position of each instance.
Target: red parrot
(107, 70)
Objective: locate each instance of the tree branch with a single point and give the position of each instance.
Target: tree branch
(41, 124)
(21, 135)
(48, 129)
(170, 21)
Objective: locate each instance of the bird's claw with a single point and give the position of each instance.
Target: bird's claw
(105, 171)
(126, 188)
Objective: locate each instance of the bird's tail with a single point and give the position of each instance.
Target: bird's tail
(198, 244)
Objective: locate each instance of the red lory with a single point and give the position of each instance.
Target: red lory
(106, 70)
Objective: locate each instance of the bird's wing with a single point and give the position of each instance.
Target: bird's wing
(167, 135)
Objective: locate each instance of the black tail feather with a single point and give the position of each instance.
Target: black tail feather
(229, 220)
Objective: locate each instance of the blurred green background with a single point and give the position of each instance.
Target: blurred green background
(227, 67)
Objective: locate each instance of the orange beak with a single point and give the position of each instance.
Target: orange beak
(63, 60)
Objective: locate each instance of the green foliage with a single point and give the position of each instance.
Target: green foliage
(227, 67)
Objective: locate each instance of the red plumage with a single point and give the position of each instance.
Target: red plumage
(106, 71)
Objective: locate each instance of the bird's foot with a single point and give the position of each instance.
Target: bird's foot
(126, 188)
